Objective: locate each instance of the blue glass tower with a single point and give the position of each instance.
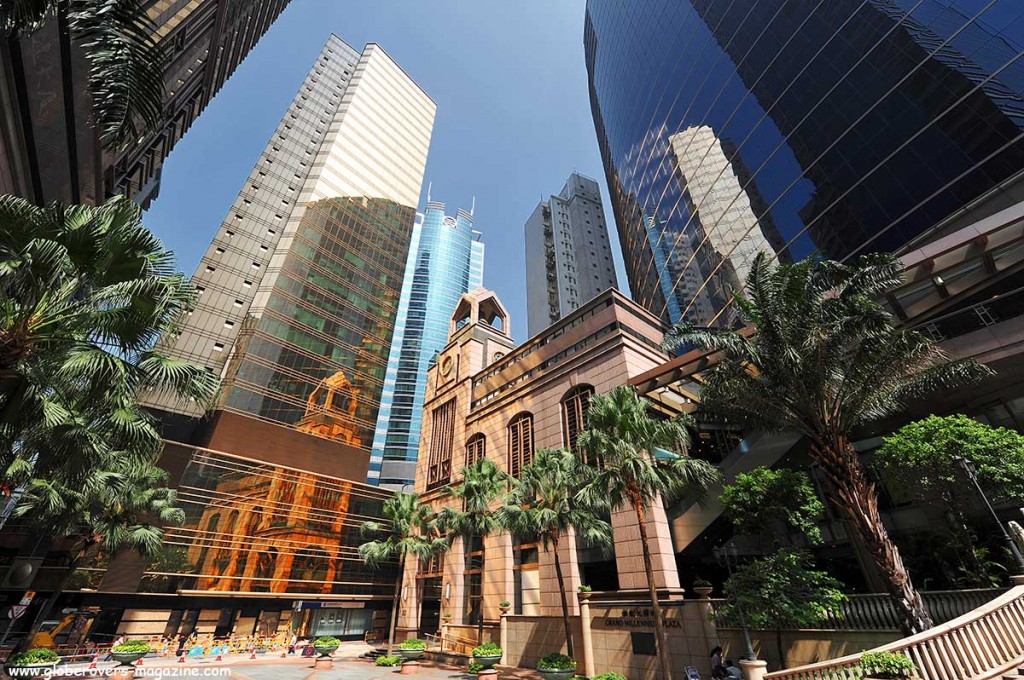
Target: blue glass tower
(446, 259)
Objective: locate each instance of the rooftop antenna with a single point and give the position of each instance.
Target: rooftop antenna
(430, 185)
(472, 207)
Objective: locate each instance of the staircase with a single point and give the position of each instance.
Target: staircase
(984, 644)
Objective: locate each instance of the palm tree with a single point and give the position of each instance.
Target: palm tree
(84, 294)
(482, 484)
(122, 504)
(543, 505)
(825, 359)
(126, 74)
(624, 438)
(410, 531)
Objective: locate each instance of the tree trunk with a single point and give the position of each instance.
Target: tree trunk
(856, 498)
(394, 604)
(565, 603)
(661, 637)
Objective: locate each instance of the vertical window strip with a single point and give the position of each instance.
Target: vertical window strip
(442, 440)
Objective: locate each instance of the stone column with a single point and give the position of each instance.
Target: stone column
(754, 670)
(629, 559)
(503, 635)
(589, 668)
(409, 602)
(707, 621)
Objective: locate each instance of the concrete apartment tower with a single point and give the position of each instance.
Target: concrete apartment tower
(49, 147)
(299, 290)
(568, 257)
(446, 260)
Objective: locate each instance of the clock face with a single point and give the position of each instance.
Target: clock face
(498, 355)
(446, 366)
(449, 221)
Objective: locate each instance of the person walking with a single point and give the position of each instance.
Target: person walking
(718, 671)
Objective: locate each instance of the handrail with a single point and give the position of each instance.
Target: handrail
(979, 645)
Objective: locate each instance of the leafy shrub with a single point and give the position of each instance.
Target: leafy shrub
(132, 647)
(886, 665)
(475, 667)
(556, 662)
(609, 676)
(487, 649)
(504, 603)
(388, 660)
(585, 589)
(326, 641)
(33, 656)
(413, 643)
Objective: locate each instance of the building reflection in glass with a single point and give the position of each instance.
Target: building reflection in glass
(254, 527)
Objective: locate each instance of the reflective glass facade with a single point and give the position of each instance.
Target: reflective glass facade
(795, 126)
(446, 259)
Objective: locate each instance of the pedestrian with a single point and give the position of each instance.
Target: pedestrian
(718, 671)
(734, 673)
(291, 645)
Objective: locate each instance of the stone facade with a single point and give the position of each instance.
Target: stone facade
(494, 385)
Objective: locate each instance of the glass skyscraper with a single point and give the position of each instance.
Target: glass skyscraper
(797, 126)
(446, 259)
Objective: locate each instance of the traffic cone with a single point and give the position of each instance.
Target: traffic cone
(283, 655)
(218, 658)
(92, 664)
(252, 655)
(139, 662)
(181, 659)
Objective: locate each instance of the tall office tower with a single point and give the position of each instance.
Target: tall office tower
(568, 258)
(446, 259)
(794, 127)
(299, 290)
(49, 149)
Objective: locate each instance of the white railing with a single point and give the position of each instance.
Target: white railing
(980, 645)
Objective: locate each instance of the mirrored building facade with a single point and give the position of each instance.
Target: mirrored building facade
(446, 259)
(794, 127)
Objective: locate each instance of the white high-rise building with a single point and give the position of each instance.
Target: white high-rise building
(568, 256)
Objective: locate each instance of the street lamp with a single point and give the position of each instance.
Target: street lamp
(729, 556)
(968, 468)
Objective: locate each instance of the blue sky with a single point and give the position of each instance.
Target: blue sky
(513, 117)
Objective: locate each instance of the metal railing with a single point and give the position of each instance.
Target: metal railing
(875, 611)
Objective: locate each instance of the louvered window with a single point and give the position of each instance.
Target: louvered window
(439, 471)
(476, 448)
(520, 443)
(574, 412)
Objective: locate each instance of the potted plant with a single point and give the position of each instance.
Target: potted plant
(886, 666)
(487, 654)
(703, 588)
(325, 646)
(412, 648)
(556, 666)
(584, 592)
(130, 651)
(388, 660)
(35, 663)
(447, 616)
(504, 606)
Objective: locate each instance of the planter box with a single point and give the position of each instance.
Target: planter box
(127, 658)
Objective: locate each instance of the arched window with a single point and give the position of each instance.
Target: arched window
(476, 448)
(574, 414)
(520, 443)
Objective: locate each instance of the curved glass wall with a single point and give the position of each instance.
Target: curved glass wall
(729, 127)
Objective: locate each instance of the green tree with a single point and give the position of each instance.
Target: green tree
(410, 531)
(921, 458)
(122, 504)
(763, 497)
(625, 438)
(825, 358)
(482, 485)
(126, 63)
(781, 591)
(544, 504)
(86, 291)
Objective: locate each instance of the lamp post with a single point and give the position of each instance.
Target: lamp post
(968, 467)
(729, 556)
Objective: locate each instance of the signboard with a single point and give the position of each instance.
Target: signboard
(692, 674)
(16, 610)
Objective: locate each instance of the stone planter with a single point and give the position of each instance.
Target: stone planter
(127, 658)
(324, 650)
(562, 674)
(703, 592)
(504, 610)
(411, 654)
(584, 596)
(35, 670)
(487, 661)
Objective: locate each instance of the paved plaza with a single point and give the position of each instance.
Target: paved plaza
(348, 664)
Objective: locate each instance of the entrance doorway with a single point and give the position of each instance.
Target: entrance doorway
(430, 608)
